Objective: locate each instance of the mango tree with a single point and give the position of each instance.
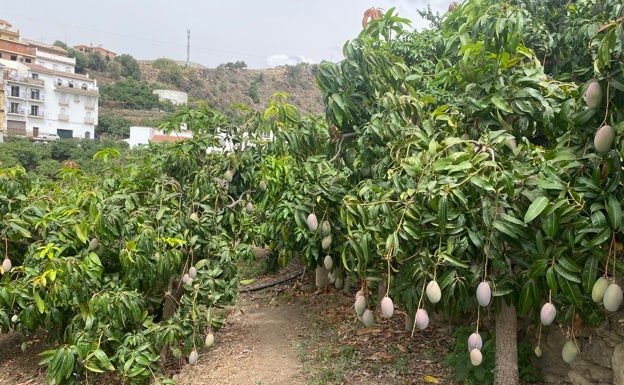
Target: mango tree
(124, 269)
(476, 167)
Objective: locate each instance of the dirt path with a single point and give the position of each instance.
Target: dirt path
(256, 346)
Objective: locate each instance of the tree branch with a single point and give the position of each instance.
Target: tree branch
(339, 146)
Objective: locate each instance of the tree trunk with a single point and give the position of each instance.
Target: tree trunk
(506, 372)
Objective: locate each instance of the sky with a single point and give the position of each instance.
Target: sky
(263, 34)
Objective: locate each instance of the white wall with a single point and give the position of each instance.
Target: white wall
(175, 97)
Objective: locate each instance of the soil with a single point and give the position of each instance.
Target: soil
(288, 334)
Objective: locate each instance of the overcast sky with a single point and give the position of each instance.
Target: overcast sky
(263, 34)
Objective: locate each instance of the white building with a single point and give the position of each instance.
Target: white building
(178, 98)
(47, 97)
(144, 135)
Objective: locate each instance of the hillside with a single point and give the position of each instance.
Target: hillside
(222, 87)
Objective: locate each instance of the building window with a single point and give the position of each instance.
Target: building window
(34, 94)
(34, 110)
(28, 60)
(71, 84)
(84, 86)
(59, 82)
(15, 91)
(14, 108)
(35, 76)
(14, 57)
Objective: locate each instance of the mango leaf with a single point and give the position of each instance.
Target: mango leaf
(535, 208)
(569, 265)
(570, 290)
(561, 271)
(528, 294)
(501, 103)
(614, 212)
(454, 261)
(551, 280)
(39, 302)
(431, 380)
(590, 272)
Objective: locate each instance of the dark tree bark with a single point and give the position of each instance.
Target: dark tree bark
(506, 372)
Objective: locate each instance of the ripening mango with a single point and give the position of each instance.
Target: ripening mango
(612, 298)
(484, 294)
(569, 351)
(604, 138)
(312, 222)
(593, 95)
(387, 307)
(548, 313)
(599, 288)
(422, 319)
(434, 294)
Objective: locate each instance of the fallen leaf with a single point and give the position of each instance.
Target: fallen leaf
(401, 348)
(431, 380)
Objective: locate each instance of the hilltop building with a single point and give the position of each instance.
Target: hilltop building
(42, 94)
(90, 48)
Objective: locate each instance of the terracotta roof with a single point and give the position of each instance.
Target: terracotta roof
(159, 138)
(47, 46)
(40, 68)
(92, 47)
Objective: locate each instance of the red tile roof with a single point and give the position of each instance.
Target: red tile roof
(159, 138)
(40, 68)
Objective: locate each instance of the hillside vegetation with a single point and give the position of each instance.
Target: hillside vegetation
(125, 101)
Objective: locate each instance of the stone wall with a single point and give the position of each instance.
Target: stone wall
(601, 358)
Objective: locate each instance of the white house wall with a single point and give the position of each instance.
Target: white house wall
(66, 104)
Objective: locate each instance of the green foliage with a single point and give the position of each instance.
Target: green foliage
(45, 160)
(113, 126)
(129, 66)
(98, 260)
(234, 65)
(457, 154)
(456, 157)
(253, 93)
(97, 62)
(130, 94)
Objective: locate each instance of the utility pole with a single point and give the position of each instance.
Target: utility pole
(188, 47)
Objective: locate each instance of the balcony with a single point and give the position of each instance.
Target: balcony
(88, 119)
(63, 117)
(64, 102)
(36, 114)
(17, 115)
(75, 89)
(16, 95)
(16, 111)
(36, 82)
(36, 98)
(26, 80)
